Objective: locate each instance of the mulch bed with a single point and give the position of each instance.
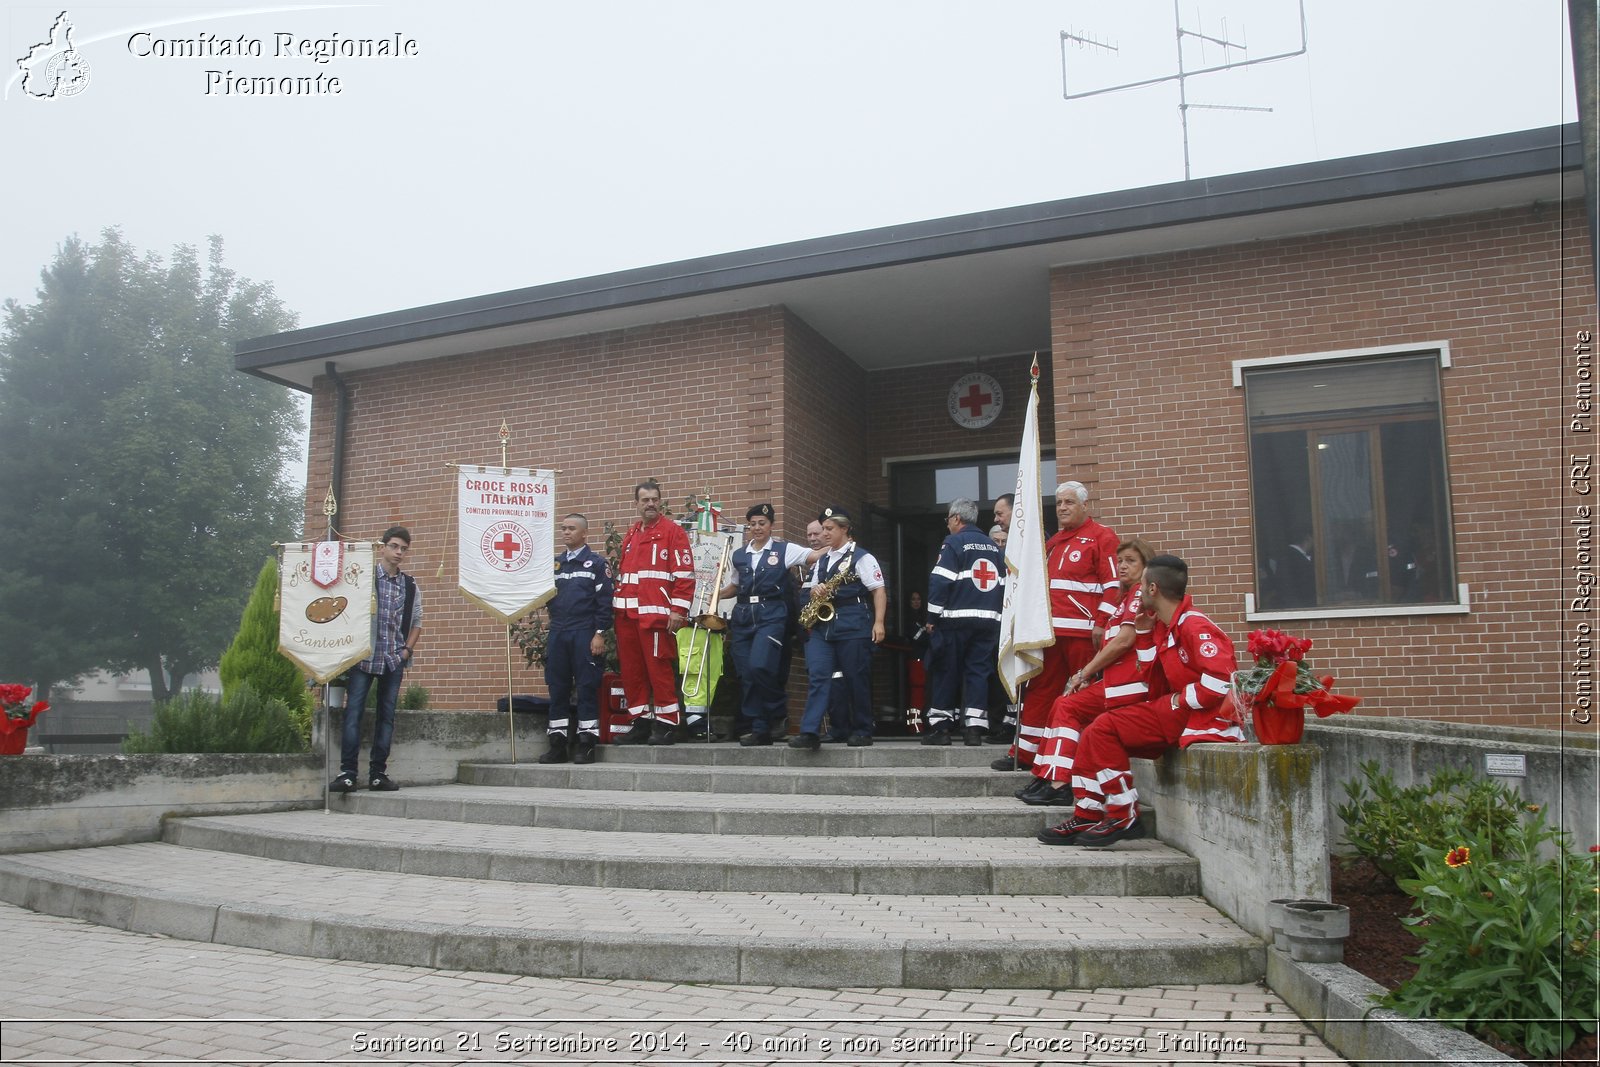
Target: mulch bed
(1379, 942)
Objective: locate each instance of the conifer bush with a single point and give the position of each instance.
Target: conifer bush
(254, 658)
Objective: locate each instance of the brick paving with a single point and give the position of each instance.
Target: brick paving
(72, 992)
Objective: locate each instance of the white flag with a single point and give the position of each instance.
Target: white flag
(1025, 619)
(325, 605)
(507, 539)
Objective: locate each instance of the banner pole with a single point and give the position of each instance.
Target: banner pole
(511, 716)
(330, 508)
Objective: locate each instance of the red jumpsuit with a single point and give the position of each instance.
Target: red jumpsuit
(1123, 682)
(1082, 564)
(655, 578)
(1189, 682)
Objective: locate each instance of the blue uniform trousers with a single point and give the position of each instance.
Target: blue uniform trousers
(570, 668)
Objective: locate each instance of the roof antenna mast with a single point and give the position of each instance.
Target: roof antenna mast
(1183, 74)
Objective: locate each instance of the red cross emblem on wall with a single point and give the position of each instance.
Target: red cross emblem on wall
(984, 575)
(976, 401)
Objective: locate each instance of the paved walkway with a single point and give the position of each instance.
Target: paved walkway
(72, 992)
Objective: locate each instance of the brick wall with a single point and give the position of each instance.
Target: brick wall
(685, 402)
(1151, 341)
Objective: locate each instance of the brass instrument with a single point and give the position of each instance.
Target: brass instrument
(820, 608)
(709, 619)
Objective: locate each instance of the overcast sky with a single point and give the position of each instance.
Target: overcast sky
(536, 141)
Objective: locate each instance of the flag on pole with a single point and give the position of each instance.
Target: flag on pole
(708, 516)
(1025, 617)
(507, 539)
(325, 605)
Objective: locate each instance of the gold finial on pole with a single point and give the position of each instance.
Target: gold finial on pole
(1033, 372)
(505, 443)
(330, 508)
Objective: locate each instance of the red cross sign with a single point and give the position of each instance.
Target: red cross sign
(975, 401)
(984, 575)
(507, 546)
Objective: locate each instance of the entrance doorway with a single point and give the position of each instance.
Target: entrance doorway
(906, 537)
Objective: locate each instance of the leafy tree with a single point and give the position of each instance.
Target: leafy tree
(141, 475)
(253, 658)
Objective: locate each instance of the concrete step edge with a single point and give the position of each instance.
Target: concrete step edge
(811, 962)
(754, 814)
(783, 780)
(522, 857)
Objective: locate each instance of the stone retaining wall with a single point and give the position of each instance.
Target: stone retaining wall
(1254, 816)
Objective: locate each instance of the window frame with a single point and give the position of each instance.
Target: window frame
(1441, 351)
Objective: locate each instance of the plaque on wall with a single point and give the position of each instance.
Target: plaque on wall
(975, 400)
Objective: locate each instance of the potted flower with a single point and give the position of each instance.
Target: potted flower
(16, 715)
(1274, 693)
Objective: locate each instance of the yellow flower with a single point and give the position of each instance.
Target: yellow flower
(1459, 856)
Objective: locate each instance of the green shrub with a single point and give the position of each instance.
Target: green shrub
(415, 698)
(1508, 929)
(242, 721)
(254, 658)
(1398, 829)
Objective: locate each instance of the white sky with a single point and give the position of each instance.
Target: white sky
(536, 141)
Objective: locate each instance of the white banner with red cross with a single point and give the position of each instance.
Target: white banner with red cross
(325, 605)
(507, 539)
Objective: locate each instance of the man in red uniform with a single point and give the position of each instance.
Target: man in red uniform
(1089, 696)
(1082, 563)
(655, 587)
(1189, 682)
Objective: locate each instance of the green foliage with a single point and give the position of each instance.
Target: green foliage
(254, 657)
(1398, 829)
(142, 473)
(1508, 929)
(415, 698)
(242, 721)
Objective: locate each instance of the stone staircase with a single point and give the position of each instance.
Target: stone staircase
(894, 865)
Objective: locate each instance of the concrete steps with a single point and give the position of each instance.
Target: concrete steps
(701, 863)
(894, 865)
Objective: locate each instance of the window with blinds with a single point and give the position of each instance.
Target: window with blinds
(1348, 483)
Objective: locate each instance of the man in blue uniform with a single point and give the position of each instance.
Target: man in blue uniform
(965, 595)
(849, 578)
(580, 615)
(762, 589)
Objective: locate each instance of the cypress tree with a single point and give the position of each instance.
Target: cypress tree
(254, 657)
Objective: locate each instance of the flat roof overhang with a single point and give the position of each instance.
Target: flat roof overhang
(958, 287)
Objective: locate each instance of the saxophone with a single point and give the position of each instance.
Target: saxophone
(820, 608)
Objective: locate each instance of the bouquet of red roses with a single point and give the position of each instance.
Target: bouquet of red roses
(1280, 678)
(15, 711)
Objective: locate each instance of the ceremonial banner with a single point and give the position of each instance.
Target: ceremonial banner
(325, 605)
(507, 539)
(710, 549)
(1025, 618)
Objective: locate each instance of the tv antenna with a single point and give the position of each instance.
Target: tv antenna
(1084, 41)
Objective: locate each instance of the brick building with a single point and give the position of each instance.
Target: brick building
(1363, 358)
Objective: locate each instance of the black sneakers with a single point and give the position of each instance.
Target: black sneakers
(379, 783)
(638, 734)
(585, 749)
(810, 742)
(1109, 833)
(557, 752)
(345, 783)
